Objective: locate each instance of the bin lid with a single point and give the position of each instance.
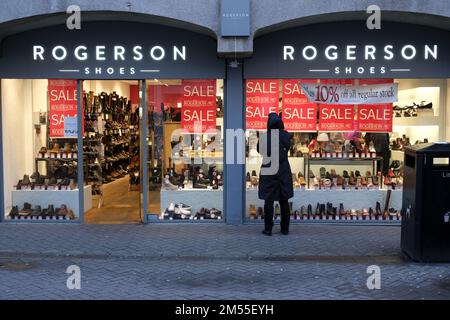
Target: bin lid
(439, 147)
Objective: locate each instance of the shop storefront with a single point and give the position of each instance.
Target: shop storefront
(147, 138)
(346, 158)
(144, 139)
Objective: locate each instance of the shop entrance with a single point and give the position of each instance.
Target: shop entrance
(111, 151)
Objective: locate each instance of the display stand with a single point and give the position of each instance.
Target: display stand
(55, 197)
(197, 198)
(352, 199)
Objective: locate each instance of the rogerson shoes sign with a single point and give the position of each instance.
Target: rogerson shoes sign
(350, 50)
(116, 53)
(110, 50)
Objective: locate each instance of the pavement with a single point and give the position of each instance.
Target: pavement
(212, 261)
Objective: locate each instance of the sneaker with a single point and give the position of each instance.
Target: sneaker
(167, 185)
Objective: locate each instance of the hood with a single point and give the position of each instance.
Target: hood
(274, 121)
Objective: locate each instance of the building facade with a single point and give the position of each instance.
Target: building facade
(73, 100)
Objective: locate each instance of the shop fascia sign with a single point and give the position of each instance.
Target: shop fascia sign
(102, 53)
(367, 53)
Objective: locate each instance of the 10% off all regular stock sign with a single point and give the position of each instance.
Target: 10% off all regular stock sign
(343, 94)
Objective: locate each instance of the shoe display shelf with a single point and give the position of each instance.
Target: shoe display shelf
(197, 198)
(55, 197)
(344, 163)
(351, 199)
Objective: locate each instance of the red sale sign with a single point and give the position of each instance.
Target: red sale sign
(261, 99)
(298, 114)
(375, 117)
(62, 96)
(198, 112)
(336, 117)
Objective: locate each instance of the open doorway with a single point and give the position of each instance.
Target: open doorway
(111, 151)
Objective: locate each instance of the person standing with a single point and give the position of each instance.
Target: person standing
(275, 186)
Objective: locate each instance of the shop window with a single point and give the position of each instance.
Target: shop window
(185, 149)
(343, 158)
(40, 127)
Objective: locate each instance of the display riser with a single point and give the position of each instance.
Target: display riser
(58, 197)
(332, 221)
(197, 198)
(351, 199)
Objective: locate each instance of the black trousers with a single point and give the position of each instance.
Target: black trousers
(285, 214)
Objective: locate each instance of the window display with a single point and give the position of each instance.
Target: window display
(185, 149)
(353, 173)
(41, 166)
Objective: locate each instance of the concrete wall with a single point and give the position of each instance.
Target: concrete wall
(203, 15)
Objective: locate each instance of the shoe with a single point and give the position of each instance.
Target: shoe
(37, 211)
(26, 180)
(378, 211)
(62, 211)
(252, 211)
(14, 212)
(26, 211)
(198, 185)
(184, 206)
(301, 179)
(215, 213)
(182, 211)
(167, 185)
(72, 184)
(201, 214)
(323, 172)
(322, 211)
(260, 212)
(284, 232)
(71, 215)
(267, 232)
(392, 213)
(254, 179)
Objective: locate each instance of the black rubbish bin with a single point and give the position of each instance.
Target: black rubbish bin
(426, 203)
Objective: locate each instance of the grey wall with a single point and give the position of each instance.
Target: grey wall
(203, 15)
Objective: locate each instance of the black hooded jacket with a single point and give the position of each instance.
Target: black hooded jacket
(278, 186)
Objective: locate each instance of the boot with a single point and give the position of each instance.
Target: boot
(322, 211)
(26, 180)
(26, 211)
(317, 214)
(378, 212)
(50, 210)
(14, 212)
